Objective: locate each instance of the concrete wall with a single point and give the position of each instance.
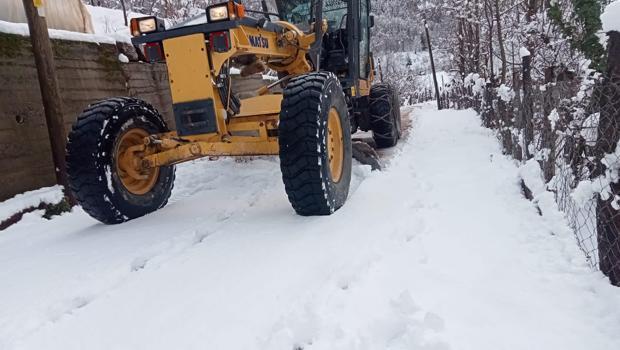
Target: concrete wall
(87, 72)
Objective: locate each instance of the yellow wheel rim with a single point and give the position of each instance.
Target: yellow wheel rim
(134, 178)
(335, 145)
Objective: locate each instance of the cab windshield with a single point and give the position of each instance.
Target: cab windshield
(301, 12)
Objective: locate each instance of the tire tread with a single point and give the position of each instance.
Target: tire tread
(85, 180)
(299, 130)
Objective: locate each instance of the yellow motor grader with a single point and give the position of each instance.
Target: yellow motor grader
(121, 155)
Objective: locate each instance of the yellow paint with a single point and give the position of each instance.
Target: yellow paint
(242, 42)
(191, 76)
(335, 145)
(266, 104)
(238, 146)
(286, 52)
(128, 166)
(188, 68)
(171, 150)
(38, 3)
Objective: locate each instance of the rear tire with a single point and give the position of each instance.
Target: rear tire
(385, 119)
(97, 180)
(315, 144)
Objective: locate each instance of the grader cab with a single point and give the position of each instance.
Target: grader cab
(121, 155)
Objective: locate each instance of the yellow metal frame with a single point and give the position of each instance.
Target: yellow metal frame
(192, 69)
(173, 150)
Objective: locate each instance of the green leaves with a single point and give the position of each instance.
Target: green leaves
(581, 27)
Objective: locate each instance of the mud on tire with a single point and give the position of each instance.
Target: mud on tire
(385, 119)
(306, 144)
(92, 165)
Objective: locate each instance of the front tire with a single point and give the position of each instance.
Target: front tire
(385, 119)
(315, 144)
(98, 166)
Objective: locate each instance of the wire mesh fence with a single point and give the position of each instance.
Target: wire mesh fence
(571, 127)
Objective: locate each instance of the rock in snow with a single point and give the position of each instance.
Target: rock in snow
(122, 58)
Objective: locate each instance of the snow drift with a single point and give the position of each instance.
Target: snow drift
(71, 15)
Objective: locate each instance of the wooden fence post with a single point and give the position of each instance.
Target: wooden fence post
(527, 106)
(124, 12)
(430, 52)
(50, 92)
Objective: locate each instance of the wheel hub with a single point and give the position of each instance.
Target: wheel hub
(133, 176)
(335, 145)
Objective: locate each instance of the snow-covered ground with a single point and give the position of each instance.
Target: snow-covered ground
(30, 199)
(440, 251)
(611, 17)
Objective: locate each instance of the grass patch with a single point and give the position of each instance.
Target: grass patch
(51, 210)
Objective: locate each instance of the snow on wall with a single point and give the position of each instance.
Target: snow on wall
(107, 26)
(22, 29)
(49, 195)
(110, 22)
(70, 15)
(611, 17)
(602, 185)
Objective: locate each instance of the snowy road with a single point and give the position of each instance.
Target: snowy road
(440, 251)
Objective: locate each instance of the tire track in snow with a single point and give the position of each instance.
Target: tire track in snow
(356, 308)
(157, 255)
(189, 187)
(431, 254)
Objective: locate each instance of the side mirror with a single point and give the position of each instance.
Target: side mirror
(372, 21)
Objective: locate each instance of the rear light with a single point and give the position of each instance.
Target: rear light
(219, 41)
(154, 52)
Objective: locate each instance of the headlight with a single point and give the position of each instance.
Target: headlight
(145, 25)
(225, 12)
(148, 25)
(218, 13)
